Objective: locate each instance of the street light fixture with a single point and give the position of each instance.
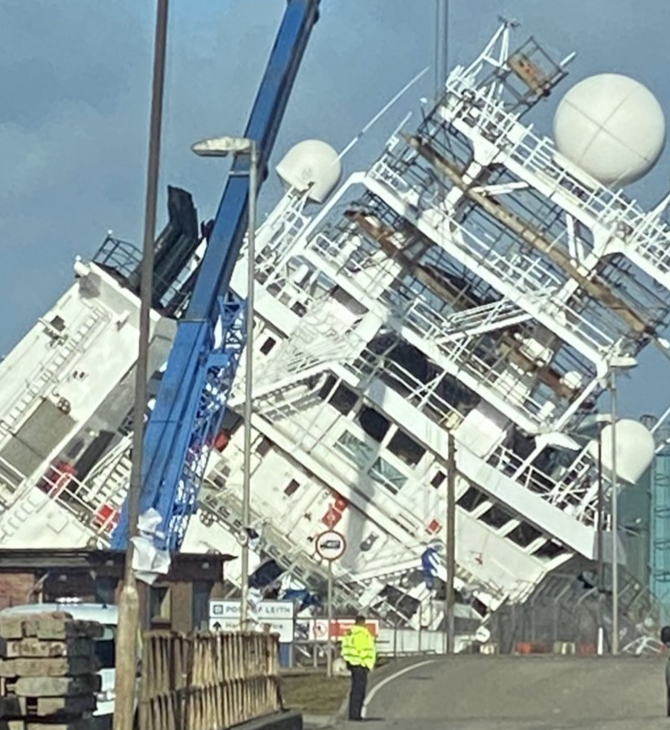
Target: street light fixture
(222, 147)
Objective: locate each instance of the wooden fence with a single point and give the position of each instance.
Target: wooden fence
(207, 681)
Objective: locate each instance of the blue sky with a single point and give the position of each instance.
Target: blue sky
(75, 77)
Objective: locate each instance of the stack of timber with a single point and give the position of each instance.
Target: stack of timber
(48, 672)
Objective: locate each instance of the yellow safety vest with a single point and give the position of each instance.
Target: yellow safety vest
(358, 647)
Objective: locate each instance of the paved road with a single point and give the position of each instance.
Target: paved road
(524, 693)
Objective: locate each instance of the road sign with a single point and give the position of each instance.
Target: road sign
(224, 609)
(331, 545)
(317, 628)
(277, 615)
(275, 610)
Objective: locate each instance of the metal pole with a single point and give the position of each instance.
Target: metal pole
(601, 563)
(248, 383)
(615, 519)
(442, 12)
(128, 621)
(329, 646)
(451, 544)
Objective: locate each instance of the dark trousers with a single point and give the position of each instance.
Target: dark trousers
(359, 681)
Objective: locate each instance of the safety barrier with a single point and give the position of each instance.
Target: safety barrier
(207, 681)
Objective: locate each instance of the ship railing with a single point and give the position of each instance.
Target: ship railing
(533, 283)
(422, 396)
(60, 484)
(430, 325)
(642, 233)
(347, 462)
(289, 227)
(486, 315)
(222, 505)
(472, 357)
(11, 481)
(567, 492)
(284, 289)
(225, 507)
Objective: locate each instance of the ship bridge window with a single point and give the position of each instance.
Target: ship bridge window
(373, 423)
(496, 517)
(361, 454)
(406, 448)
(471, 499)
(549, 550)
(343, 399)
(358, 451)
(387, 475)
(524, 534)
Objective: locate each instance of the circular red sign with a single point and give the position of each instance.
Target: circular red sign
(331, 545)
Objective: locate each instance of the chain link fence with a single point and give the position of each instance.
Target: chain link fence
(569, 608)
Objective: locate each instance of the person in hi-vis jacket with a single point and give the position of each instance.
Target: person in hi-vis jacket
(360, 654)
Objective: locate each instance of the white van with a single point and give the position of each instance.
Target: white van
(105, 647)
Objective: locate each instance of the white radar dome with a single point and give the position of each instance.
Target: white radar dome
(634, 450)
(311, 163)
(612, 127)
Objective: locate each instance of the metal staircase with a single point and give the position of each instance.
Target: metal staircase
(64, 347)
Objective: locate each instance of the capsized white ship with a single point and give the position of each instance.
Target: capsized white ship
(479, 280)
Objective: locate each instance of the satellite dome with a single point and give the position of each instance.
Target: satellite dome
(314, 163)
(612, 127)
(634, 450)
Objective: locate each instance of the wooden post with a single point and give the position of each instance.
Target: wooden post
(451, 544)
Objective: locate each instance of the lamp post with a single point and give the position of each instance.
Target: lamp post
(222, 147)
(616, 363)
(129, 609)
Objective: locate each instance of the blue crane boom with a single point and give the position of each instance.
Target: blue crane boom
(210, 337)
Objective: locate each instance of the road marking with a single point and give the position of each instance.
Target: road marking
(384, 682)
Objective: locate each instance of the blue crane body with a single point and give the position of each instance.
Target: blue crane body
(210, 337)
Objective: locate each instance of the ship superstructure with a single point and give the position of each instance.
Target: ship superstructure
(472, 282)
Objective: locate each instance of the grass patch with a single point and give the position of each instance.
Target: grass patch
(314, 694)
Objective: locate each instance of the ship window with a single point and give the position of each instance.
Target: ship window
(230, 422)
(292, 488)
(373, 423)
(471, 499)
(524, 534)
(264, 446)
(327, 387)
(58, 323)
(381, 471)
(549, 550)
(406, 448)
(267, 346)
(438, 480)
(358, 451)
(496, 516)
(344, 399)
